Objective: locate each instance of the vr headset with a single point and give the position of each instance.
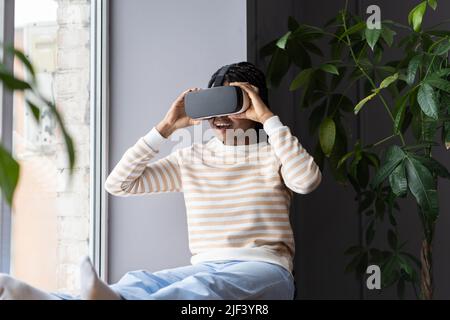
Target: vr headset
(216, 101)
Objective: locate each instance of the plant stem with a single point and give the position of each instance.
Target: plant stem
(372, 83)
(437, 25)
(330, 34)
(429, 67)
(426, 282)
(400, 25)
(384, 140)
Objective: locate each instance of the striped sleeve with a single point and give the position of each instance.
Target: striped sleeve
(299, 171)
(136, 175)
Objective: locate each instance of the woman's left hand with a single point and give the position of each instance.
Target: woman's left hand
(258, 110)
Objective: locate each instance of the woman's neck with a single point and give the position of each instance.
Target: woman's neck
(239, 140)
(236, 141)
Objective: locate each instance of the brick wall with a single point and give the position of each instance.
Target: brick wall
(72, 82)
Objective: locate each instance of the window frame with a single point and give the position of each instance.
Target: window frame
(98, 240)
(99, 107)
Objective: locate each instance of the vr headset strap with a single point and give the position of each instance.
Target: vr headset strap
(221, 75)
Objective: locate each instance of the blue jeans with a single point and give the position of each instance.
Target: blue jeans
(228, 280)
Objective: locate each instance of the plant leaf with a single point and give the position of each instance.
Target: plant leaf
(281, 43)
(394, 156)
(307, 33)
(23, 58)
(363, 102)
(34, 110)
(353, 29)
(411, 258)
(340, 102)
(399, 113)
(311, 47)
(442, 48)
(372, 158)
(388, 81)
(433, 4)
(292, 24)
(9, 174)
(428, 128)
(296, 52)
(434, 166)
(70, 148)
(422, 186)
(302, 79)
(440, 84)
(413, 67)
(372, 37)
(344, 158)
(330, 69)
(388, 35)
(397, 180)
(327, 135)
(446, 133)
(415, 16)
(388, 272)
(366, 202)
(278, 66)
(362, 171)
(427, 101)
(440, 73)
(405, 265)
(12, 82)
(356, 260)
(316, 117)
(268, 49)
(354, 164)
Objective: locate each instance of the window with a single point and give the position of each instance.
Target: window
(51, 215)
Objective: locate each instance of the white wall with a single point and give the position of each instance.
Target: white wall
(158, 49)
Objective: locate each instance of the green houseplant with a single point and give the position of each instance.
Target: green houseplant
(414, 91)
(36, 101)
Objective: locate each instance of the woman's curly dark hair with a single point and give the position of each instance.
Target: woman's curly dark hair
(246, 72)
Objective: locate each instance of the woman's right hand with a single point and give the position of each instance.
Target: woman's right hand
(176, 117)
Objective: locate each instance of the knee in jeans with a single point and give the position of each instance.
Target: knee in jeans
(206, 279)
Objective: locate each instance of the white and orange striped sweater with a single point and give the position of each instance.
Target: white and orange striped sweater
(237, 197)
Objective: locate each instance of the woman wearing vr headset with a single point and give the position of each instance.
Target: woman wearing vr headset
(237, 194)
